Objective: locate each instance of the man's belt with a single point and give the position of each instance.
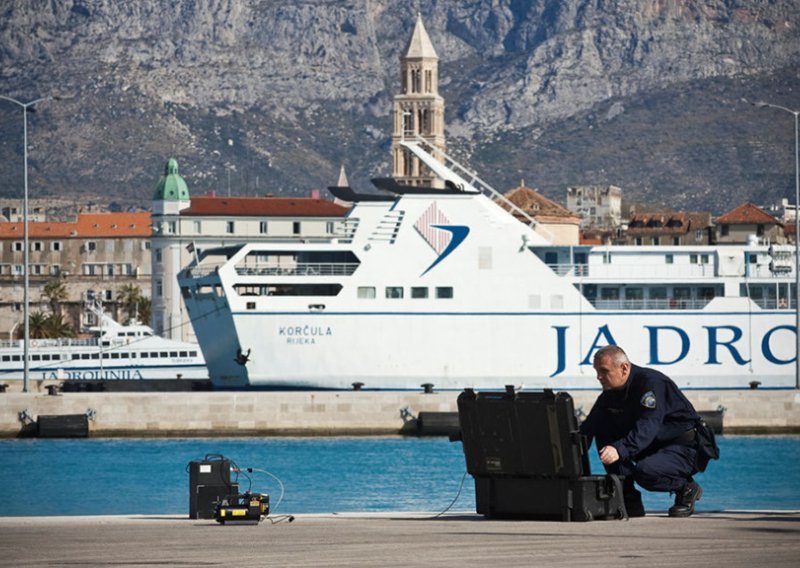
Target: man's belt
(685, 439)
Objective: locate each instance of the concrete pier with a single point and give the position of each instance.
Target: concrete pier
(729, 539)
(329, 412)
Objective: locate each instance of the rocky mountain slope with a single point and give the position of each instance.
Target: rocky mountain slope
(271, 96)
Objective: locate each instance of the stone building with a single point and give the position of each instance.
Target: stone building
(668, 228)
(99, 252)
(418, 110)
(746, 223)
(185, 226)
(599, 206)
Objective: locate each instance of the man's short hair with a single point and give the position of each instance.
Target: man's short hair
(614, 352)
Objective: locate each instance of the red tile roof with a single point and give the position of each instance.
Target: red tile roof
(538, 206)
(747, 214)
(87, 225)
(264, 207)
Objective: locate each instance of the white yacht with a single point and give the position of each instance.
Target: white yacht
(114, 353)
(447, 287)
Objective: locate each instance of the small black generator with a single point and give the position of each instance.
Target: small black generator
(245, 508)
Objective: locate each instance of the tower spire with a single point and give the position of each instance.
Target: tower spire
(418, 109)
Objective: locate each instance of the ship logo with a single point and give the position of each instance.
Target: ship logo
(435, 228)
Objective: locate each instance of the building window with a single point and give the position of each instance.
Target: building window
(296, 228)
(37, 246)
(330, 227)
(676, 241)
(394, 292)
(693, 259)
(173, 227)
(656, 241)
(419, 292)
(669, 259)
(159, 288)
(158, 255)
(637, 241)
(109, 246)
(724, 230)
(198, 227)
(55, 270)
(444, 292)
(760, 230)
(19, 246)
(229, 227)
(91, 246)
(698, 235)
(704, 259)
(366, 292)
(262, 227)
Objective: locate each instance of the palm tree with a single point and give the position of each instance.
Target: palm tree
(37, 325)
(56, 292)
(55, 326)
(143, 308)
(130, 296)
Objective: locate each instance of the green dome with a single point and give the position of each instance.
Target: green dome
(171, 186)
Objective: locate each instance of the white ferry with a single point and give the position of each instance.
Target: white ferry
(114, 353)
(446, 287)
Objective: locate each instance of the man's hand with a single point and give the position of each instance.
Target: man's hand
(609, 455)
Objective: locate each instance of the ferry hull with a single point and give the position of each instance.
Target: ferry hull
(537, 350)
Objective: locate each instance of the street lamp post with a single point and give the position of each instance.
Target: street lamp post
(796, 231)
(26, 284)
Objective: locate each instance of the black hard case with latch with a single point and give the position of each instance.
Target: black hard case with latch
(529, 460)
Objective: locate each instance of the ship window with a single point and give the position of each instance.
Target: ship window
(366, 292)
(184, 354)
(693, 258)
(106, 355)
(164, 354)
(115, 355)
(669, 259)
(634, 293)
(658, 293)
(444, 292)
(125, 355)
(16, 358)
(36, 357)
(46, 357)
(394, 292)
(419, 292)
(609, 293)
(144, 355)
(192, 353)
(6, 358)
(173, 353)
(95, 355)
(251, 305)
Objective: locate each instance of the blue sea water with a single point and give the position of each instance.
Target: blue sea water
(125, 476)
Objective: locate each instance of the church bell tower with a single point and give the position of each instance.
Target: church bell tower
(418, 110)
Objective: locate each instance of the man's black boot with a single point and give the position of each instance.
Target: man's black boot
(685, 499)
(633, 502)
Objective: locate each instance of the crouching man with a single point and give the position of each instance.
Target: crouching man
(644, 428)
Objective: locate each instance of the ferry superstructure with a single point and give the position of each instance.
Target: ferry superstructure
(447, 287)
(114, 352)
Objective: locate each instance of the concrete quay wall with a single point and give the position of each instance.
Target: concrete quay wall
(329, 412)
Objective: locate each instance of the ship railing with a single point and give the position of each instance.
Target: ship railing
(300, 269)
(471, 177)
(651, 304)
(201, 271)
(61, 342)
(638, 271)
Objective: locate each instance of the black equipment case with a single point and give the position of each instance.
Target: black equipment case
(529, 460)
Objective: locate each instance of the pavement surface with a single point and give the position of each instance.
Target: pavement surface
(727, 539)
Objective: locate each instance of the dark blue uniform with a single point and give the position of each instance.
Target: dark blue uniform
(650, 423)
